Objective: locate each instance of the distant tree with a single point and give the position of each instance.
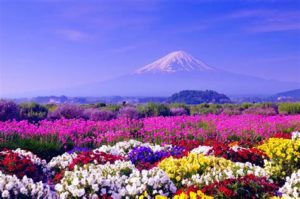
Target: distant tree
(67, 111)
(153, 109)
(128, 112)
(33, 112)
(98, 115)
(198, 97)
(8, 110)
(100, 104)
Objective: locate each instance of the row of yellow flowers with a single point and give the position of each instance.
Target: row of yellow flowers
(284, 156)
(192, 195)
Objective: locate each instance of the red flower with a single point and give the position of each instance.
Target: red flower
(97, 157)
(226, 192)
(248, 186)
(14, 163)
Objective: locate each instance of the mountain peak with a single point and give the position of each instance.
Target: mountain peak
(174, 62)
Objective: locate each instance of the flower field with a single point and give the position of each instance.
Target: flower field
(181, 157)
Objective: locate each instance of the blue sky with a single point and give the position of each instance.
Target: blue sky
(55, 44)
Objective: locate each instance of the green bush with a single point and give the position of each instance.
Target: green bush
(289, 108)
(206, 109)
(100, 104)
(152, 109)
(33, 112)
(265, 105)
(246, 105)
(51, 107)
(112, 107)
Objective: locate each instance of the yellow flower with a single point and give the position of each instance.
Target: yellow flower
(178, 169)
(284, 156)
(193, 195)
(160, 197)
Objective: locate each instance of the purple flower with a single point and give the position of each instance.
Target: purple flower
(128, 112)
(67, 111)
(78, 150)
(98, 115)
(178, 111)
(146, 155)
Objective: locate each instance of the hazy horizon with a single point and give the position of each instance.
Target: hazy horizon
(55, 45)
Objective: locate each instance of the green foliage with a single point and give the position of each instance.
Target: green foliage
(206, 109)
(112, 107)
(100, 104)
(45, 148)
(96, 105)
(246, 105)
(33, 112)
(152, 109)
(51, 107)
(265, 105)
(289, 108)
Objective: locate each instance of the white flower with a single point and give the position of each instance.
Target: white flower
(80, 192)
(9, 186)
(295, 135)
(291, 187)
(75, 181)
(25, 186)
(108, 178)
(24, 191)
(5, 194)
(59, 187)
(202, 150)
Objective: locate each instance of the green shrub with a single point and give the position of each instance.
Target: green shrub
(33, 112)
(206, 109)
(246, 105)
(266, 105)
(100, 104)
(289, 108)
(152, 109)
(112, 107)
(51, 107)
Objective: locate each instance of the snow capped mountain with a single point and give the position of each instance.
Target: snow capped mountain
(174, 62)
(180, 71)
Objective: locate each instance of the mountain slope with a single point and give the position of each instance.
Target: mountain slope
(180, 71)
(291, 95)
(175, 62)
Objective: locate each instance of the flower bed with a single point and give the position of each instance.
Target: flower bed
(134, 169)
(176, 162)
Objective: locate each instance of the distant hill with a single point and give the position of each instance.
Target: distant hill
(198, 97)
(292, 95)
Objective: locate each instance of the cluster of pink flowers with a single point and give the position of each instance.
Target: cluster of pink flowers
(163, 130)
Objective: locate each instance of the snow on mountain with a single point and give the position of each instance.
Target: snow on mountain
(174, 62)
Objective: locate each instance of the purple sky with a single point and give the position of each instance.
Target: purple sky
(58, 44)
